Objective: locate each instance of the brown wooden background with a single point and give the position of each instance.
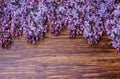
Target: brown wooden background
(60, 58)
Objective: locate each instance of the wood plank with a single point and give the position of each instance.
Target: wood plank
(60, 58)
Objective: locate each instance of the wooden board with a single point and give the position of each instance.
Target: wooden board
(60, 58)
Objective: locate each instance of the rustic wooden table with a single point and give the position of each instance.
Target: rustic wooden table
(60, 58)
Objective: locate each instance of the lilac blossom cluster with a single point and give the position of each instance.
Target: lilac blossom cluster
(5, 25)
(32, 18)
(56, 15)
(34, 25)
(75, 14)
(112, 25)
(22, 17)
(91, 18)
(93, 21)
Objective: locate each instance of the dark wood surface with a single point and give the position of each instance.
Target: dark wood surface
(60, 58)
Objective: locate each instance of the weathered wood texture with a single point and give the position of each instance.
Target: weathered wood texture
(60, 58)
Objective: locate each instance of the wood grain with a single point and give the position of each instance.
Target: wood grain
(60, 58)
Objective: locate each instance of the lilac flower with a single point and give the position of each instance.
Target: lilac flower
(31, 18)
(113, 26)
(34, 28)
(75, 14)
(5, 35)
(56, 15)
